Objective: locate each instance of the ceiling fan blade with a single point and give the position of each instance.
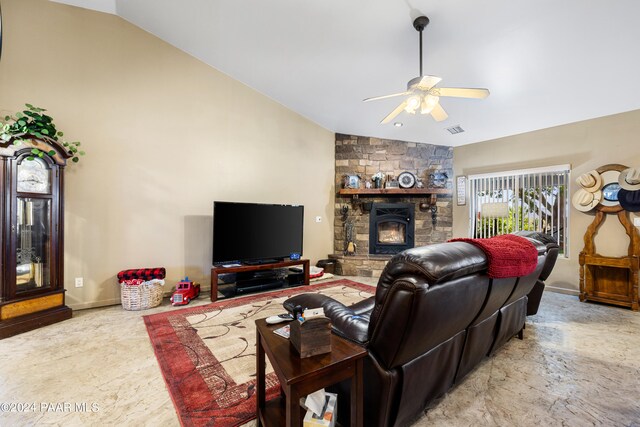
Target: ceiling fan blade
(426, 82)
(463, 92)
(394, 113)
(438, 113)
(375, 98)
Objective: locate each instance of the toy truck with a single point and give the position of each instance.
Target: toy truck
(185, 291)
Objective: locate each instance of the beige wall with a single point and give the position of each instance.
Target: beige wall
(585, 145)
(165, 136)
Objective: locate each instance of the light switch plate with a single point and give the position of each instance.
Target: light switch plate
(636, 221)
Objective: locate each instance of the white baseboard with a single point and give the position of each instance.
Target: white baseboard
(95, 304)
(566, 291)
(116, 301)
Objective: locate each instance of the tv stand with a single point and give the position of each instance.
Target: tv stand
(216, 270)
(262, 261)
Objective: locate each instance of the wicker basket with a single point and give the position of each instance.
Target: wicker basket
(140, 297)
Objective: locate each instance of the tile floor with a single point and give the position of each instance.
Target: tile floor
(578, 365)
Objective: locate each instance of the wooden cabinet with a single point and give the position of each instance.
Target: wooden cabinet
(31, 238)
(612, 280)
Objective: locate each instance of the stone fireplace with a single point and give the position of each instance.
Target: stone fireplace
(391, 228)
(365, 156)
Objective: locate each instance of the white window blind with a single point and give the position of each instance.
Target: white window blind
(528, 199)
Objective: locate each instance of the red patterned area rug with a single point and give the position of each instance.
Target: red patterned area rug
(207, 353)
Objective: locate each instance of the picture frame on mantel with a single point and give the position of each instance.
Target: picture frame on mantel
(461, 189)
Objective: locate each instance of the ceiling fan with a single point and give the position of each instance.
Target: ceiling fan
(422, 94)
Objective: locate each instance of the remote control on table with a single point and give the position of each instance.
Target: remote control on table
(279, 318)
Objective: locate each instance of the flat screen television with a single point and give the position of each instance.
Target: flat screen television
(255, 232)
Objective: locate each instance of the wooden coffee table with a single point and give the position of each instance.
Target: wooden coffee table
(299, 377)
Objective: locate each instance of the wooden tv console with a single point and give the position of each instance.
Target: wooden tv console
(217, 270)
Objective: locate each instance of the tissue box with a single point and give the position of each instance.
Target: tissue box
(311, 337)
(328, 416)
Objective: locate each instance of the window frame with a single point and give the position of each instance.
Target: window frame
(506, 186)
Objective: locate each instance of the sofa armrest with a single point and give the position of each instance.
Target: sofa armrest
(306, 301)
(345, 322)
(364, 307)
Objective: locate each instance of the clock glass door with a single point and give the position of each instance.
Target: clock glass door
(33, 244)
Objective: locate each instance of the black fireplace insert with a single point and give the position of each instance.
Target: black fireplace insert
(391, 227)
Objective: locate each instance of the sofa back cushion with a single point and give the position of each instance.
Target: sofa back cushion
(417, 316)
(434, 264)
(426, 295)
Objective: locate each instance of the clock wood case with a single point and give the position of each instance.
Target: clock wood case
(31, 237)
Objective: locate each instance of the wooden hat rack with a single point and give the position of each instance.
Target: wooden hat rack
(611, 280)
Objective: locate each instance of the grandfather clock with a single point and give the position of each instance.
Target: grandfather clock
(31, 239)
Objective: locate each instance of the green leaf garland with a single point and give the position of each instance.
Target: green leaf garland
(32, 121)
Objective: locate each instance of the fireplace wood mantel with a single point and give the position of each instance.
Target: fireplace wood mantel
(418, 192)
(430, 193)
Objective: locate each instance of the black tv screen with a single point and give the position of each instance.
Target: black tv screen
(254, 232)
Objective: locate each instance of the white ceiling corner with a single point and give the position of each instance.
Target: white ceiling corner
(106, 6)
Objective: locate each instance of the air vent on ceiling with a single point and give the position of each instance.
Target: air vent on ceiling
(455, 129)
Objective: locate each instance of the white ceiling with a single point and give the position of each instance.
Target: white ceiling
(546, 62)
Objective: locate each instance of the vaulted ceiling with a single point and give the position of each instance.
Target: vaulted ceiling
(546, 62)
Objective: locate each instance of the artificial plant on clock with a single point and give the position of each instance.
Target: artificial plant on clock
(32, 122)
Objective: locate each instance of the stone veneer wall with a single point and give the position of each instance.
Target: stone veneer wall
(364, 156)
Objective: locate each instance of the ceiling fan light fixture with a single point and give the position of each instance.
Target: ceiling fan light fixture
(428, 104)
(412, 104)
(422, 92)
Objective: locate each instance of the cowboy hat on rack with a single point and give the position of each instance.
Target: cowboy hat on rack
(629, 200)
(584, 200)
(629, 179)
(590, 181)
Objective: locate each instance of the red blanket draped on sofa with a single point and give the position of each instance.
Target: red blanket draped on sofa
(508, 255)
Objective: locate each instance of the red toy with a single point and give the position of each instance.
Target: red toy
(185, 292)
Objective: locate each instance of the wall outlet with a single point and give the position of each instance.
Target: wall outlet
(636, 221)
(79, 282)
(318, 219)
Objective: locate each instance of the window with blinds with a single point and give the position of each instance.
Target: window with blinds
(528, 199)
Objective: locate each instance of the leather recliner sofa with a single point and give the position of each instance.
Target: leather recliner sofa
(435, 315)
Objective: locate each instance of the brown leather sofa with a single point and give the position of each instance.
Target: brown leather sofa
(435, 315)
